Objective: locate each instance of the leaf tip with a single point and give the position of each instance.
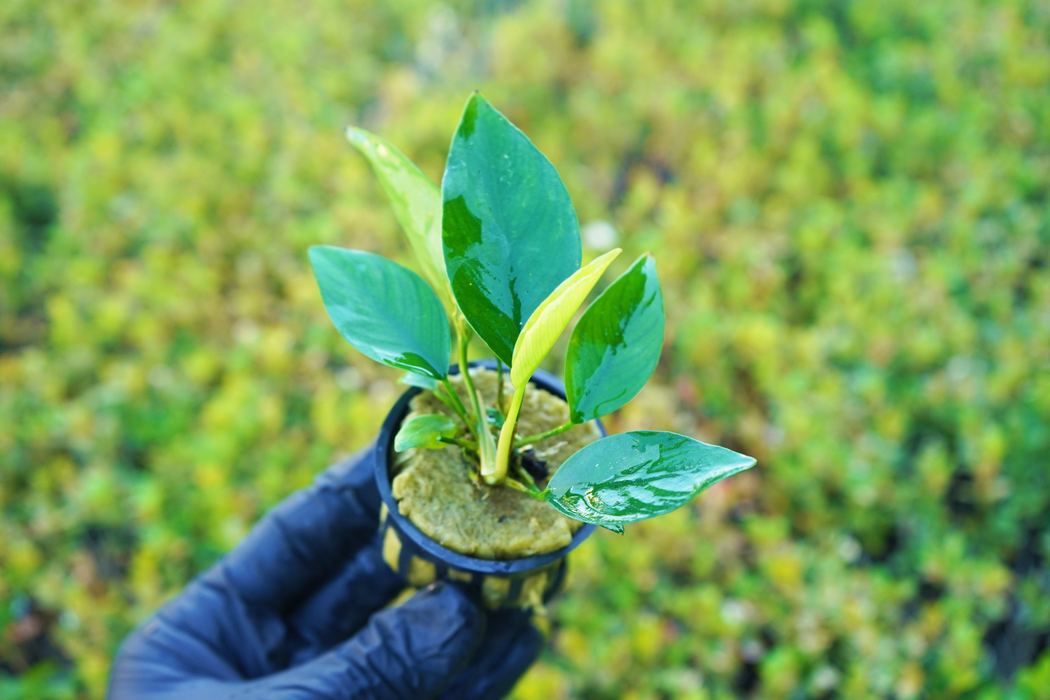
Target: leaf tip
(470, 115)
(356, 136)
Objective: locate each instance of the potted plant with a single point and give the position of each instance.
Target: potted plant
(494, 474)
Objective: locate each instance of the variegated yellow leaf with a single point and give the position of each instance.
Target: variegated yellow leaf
(550, 318)
(416, 202)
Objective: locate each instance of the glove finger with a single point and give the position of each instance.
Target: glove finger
(342, 605)
(306, 538)
(510, 645)
(410, 651)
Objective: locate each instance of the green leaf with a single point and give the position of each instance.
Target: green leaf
(416, 202)
(550, 318)
(616, 344)
(495, 417)
(633, 476)
(385, 311)
(424, 431)
(509, 230)
(418, 380)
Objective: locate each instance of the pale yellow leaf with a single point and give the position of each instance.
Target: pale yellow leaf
(416, 202)
(552, 316)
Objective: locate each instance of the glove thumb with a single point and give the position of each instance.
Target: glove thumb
(411, 651)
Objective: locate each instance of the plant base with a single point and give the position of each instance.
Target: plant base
(433, 489)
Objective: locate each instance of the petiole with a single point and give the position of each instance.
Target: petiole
(530, 439)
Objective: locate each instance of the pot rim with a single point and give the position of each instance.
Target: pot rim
(384, 444)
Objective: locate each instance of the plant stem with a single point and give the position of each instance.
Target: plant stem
(506, 438)
(455, 404)
(538, 495)
(530, 439)
(524, 475)
(465, 444)
(468, 381)
(486, 448)
(443, 397)
(499, 386)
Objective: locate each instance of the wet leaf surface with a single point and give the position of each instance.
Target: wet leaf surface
(509, 230)
(616, 344)
(633, 476)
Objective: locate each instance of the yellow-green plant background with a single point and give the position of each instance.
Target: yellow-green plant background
(848, 201)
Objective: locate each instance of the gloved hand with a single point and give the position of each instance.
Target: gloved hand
(291, 614)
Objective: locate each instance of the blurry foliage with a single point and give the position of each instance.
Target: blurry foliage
(849, 202)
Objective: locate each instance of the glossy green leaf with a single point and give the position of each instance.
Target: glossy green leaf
(633, 476)
(420, 381)
(550, 318)
(385, 311)
(509, 230)
(424, 431)
(616, 344)
(416, 202)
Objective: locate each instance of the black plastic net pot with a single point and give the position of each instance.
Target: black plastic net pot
(421, 560)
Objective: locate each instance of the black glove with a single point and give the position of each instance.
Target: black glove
(291, 614)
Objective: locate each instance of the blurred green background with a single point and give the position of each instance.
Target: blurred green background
(848, 201)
